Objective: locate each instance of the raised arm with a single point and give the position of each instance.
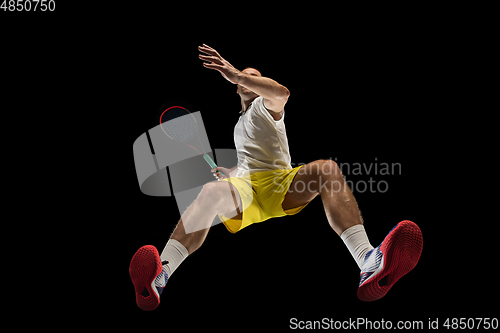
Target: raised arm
(275, 95)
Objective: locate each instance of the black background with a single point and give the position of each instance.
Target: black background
(362, 87)
(355, 99)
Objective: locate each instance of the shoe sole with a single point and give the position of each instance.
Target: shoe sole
(144, 268)
(401, 251)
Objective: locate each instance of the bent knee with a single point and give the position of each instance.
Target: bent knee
(329, 168)
(212, 191)
(221, 195)
(210, 188)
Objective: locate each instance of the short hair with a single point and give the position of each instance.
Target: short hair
(253, 68)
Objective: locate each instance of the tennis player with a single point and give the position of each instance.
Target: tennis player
(264, 185)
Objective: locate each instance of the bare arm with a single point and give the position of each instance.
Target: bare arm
(275, 95)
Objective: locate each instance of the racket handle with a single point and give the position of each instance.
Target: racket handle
(211, 163)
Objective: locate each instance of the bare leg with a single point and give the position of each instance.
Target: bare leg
(215, 198)
(148, 277)
(324, 177)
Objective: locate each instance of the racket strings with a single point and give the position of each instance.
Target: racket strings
(180, 125)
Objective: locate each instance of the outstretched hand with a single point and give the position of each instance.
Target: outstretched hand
(215, 61)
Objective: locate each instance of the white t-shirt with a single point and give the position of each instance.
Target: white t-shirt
(261, 142)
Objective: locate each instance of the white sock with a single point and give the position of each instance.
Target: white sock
(356, 240)
(175, 253)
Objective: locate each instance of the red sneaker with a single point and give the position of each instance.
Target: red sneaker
(392, 259)
(144, 268)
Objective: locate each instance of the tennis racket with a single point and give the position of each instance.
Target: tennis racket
(180, 125)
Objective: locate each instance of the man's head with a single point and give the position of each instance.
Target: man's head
(244, 92)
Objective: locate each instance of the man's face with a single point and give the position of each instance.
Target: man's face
(242, 90)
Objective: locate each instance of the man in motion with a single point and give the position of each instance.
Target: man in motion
(264, 185)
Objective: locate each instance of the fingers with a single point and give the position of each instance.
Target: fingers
(218, 176)
(207, 49)
(212, 66)
(216, 173)
(210, 59)
(215, 60)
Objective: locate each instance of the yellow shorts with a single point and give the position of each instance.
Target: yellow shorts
(262, 194)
